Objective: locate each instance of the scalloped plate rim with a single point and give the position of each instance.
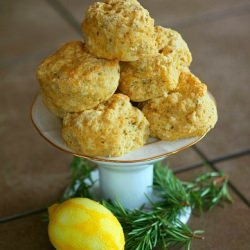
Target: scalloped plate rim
(106, 159)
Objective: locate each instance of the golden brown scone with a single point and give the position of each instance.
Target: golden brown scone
(155, 76)
(113, 128)
(171, 43)
(73, 80)
(52, 107)
(148, 78)
(119, 29)
(188, 111)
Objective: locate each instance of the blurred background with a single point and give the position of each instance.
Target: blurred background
(33, 174)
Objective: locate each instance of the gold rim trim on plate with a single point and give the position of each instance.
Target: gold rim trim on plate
(107, 160)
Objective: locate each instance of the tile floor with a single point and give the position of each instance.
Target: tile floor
(33, 174)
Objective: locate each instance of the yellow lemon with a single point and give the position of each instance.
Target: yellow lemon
(83, 224)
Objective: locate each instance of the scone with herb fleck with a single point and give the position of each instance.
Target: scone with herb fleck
(53, 108)
(170, 43)
(186, 112)
(148, 78)
(73, 80)
(154, 76)
(113, 128)
(119, 29)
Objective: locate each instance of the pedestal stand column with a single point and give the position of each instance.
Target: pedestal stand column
(126, 184)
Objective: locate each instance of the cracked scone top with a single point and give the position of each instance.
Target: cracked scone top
(119, 29)
(148, 78)
(188, 111)
(73, 80)
(113, 128)
(171, 43)
(155, 76)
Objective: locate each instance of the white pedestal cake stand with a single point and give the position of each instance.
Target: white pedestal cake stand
(128, 178)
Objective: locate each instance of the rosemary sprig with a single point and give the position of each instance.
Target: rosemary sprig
(202, 194)
(147, 228)
(81, 181)
(208, 190)
(169, 188)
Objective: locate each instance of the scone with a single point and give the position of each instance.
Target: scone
(119, 29)
(154, 76)
(48, 102)
(148, 78)
(188, 111)
(73, 80)
(171, 43)
(113, 128)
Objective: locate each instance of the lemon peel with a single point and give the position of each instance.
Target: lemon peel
(83, 224)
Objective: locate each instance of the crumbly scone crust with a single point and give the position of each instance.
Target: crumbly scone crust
(113, 128)
(119, 29)
(148, 78)
(124, 58)
(171, 43)
(57, 111)
(73, 80)
(188, 111)
(155, 76)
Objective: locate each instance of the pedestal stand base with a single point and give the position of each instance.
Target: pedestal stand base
(98, 194)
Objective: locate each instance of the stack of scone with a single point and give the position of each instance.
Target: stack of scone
(124, 58)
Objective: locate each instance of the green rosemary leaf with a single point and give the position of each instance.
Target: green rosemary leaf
(169, 188)
(81, 167)
(45, 217)
(208, 190)
(81, 179)
(146, 228)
